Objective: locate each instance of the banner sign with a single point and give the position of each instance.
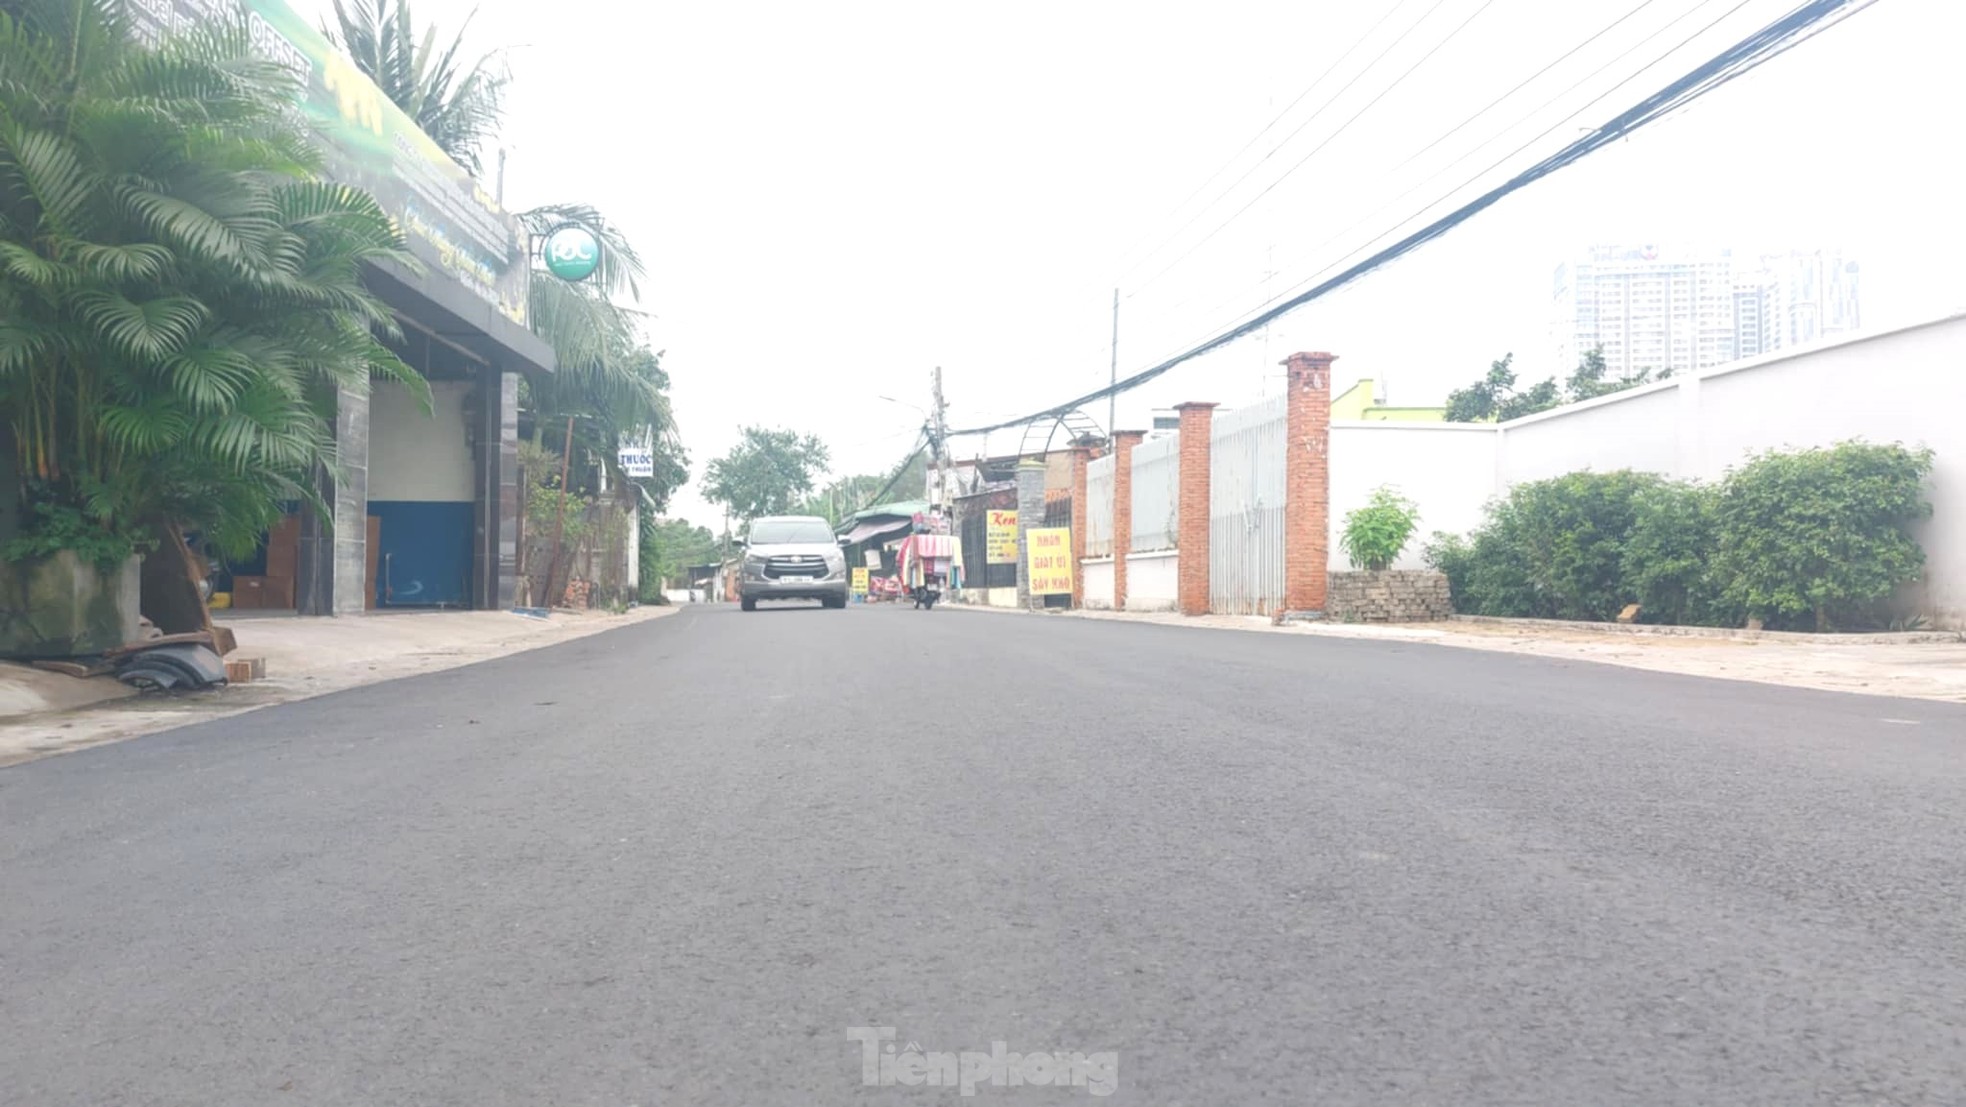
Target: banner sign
(636, 461)
(860, 580)
(1000, 538)
(1050, 561)
(453, 225)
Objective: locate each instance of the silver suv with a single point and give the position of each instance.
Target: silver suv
(792, 557)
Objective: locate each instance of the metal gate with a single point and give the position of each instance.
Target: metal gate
(1245, 509)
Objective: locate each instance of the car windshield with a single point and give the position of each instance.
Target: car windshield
(786, 532)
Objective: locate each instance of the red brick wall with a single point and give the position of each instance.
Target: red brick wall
(1196, 420)
(1307, 482)
(1123, 443)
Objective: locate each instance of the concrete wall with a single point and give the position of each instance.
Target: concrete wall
(987, 597)
(419, 457)
(1447, 468)
(1098, 573)
(1153, 581)
(1902, 386)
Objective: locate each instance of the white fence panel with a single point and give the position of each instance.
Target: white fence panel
(1099, 506)
(1156, 495)
(1245, 510)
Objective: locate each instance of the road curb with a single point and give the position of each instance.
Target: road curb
(1727, 634)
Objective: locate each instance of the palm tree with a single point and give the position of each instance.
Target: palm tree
(458, 108)
(180, 293)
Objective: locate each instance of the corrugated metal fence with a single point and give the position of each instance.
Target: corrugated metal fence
(1156, 495)
(1099, 507)
(1245, 516)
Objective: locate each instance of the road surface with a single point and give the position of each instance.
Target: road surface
(701, 860)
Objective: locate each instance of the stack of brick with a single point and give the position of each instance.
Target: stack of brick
(1390, 596)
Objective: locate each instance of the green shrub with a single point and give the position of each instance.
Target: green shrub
(1453, 558)
(1554, 549)
(1665, 566)
(1375, 534)
(1821, 537)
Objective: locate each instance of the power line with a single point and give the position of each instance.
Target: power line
(1224, 301)
(1504, 159)
(1527, 81)
(1328, 140)
(1258, 137)
(1444, 170)
(1799, 25)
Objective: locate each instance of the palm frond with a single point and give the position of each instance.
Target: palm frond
(154, 330)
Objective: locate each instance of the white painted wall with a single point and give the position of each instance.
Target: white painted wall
(1153, 581)
(419, 457)
(1627, 430)
(1098, 582)
(1905, 385)
(1448, 469)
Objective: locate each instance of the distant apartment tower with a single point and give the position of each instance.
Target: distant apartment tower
(1647, 308)
(1794, 298)
(1678, 310)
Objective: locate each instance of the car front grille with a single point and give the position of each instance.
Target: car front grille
(795, 565)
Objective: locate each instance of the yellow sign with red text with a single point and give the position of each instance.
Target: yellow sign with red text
(1049, 551)
(1000, 538)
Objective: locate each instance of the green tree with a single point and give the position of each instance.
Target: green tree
(670, 547)
(839, 499)
(769, 472)
(1494, 398)
(1587, 380)
(458, 106)
(180, 294)
(1822, 534)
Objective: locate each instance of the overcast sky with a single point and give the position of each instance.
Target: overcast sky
(834, 198)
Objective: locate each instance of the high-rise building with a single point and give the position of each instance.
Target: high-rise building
(1647, 308)
(1677, 310)
(1804, 295)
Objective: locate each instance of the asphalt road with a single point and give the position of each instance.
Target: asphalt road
(679, 863)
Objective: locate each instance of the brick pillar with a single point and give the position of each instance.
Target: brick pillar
(1030, 515)
(1196, 420)
(1081, 457)
(1123, 443)
(1307, 483)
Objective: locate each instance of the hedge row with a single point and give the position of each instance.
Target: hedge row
(1812, 539)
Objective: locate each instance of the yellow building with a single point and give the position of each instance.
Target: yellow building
(1359, 403)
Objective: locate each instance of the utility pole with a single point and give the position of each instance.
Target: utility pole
(939, 432)
(1112, 398)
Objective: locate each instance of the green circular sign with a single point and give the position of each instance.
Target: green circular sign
(572, 253)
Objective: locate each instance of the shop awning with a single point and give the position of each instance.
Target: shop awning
(875, 528)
